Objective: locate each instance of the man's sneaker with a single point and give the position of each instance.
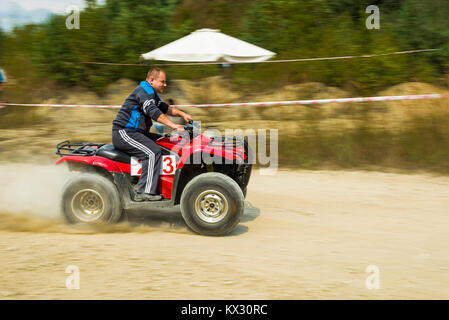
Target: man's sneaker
(155, 197)
(139, 197)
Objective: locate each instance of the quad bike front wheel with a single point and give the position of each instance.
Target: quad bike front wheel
(90, 198)
(212, 204)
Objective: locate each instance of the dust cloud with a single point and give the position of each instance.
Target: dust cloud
(30, 198)
(32, 189)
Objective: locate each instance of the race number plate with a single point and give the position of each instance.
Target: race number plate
(136, 166)
(168, 166)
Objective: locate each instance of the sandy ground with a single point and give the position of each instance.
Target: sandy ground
(304, 235)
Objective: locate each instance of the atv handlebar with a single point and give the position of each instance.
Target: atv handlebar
(188, 127)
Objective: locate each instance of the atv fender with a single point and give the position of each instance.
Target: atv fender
(104, 163)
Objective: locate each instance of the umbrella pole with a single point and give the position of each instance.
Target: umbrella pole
(227, 70)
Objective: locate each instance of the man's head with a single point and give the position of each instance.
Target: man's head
(156, 78)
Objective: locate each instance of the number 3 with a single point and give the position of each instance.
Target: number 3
(168, 165)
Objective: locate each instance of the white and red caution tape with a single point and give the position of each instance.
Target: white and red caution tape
(55, 105)
(257, 104)
(322, 101)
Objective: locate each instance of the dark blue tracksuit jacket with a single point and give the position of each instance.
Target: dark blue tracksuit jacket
(141, 107)
(130, 133)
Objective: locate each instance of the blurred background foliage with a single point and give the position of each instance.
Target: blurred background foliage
(120, 31)
(43, 63)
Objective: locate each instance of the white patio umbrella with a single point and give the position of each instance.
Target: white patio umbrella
(207, 45)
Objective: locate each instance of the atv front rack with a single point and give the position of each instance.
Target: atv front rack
(227, 142)
(77, 148)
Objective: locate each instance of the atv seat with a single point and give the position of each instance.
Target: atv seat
(108, 151)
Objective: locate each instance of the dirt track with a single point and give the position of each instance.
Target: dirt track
(305, 235)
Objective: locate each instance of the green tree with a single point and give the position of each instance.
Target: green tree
(121, 30)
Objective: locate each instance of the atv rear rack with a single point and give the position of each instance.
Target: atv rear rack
(77, 148)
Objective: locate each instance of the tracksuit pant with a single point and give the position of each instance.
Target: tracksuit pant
(143, 147)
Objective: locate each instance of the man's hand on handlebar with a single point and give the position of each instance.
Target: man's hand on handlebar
(187, 117)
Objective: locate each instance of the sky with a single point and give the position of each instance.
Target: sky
(17, 12)
(56, 6)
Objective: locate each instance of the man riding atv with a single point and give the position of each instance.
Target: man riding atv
(131, 130)
(205, 174)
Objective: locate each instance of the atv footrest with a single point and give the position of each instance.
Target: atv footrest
(164, 203)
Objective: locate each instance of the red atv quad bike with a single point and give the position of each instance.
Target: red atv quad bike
(207, 176)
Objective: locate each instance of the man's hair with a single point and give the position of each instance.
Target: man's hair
(154, 73)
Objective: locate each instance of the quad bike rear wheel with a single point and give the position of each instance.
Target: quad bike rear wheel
(212, 204)
(90, 198)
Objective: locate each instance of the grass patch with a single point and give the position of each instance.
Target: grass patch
(19, 117)
(422, 144)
